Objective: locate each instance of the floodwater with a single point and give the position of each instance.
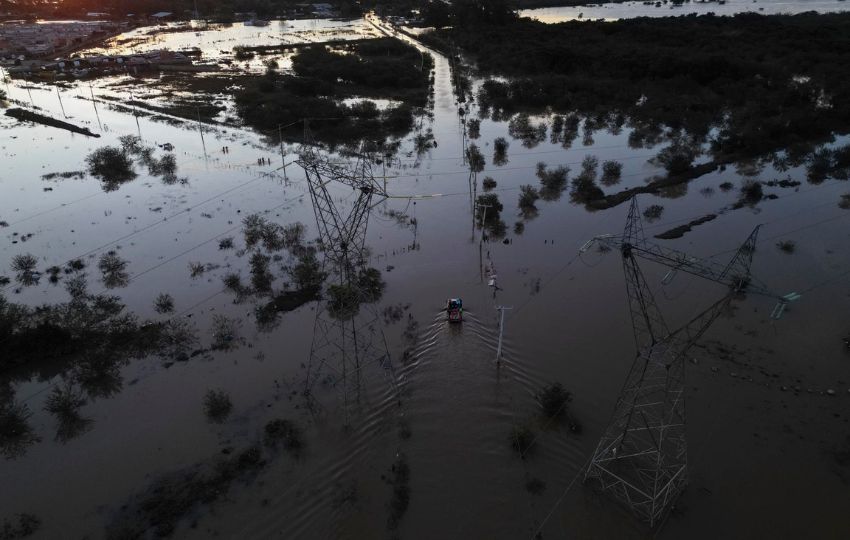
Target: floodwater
(763, 462)
(212, 38)
(630, 10)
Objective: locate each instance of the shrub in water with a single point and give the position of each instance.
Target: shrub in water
(217, 405)
(553, 400)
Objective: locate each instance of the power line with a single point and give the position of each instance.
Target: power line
(159, 222)
(194, 306)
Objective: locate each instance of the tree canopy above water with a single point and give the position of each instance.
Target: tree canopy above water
(750, 85)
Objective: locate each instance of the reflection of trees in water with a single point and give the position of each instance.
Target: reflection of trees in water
(284, 272)
(64, 403)
(113, 270)
(16, 435)
(86, 341)
(553, 182)
(702, 103)
(522, 128)
(500, 153)
(115, 166)
(24, 267)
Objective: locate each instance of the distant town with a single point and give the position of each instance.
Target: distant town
(34, 39)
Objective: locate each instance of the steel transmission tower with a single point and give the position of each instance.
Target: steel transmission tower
(347, 338)
(641, 459)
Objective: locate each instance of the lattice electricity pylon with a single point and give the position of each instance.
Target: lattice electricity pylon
(346, 350)
(735, 274)
(343, 236)
(641, 458)
(347, 337)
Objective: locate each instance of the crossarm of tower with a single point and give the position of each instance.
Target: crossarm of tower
(358, 176)
(730, 274)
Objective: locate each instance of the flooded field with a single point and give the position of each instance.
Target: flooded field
(212, 38)
(629, 10)
(391, 421)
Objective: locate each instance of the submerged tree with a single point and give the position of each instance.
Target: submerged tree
(611, 172)
(217, 405)
(500, 151)
(15, 432)
(584, 186)
(527, 197)
(653, 212)
(113, 270)
(64, 404)
(553, 182)
(24, 267)
(488, 208)
(112, 166)
(553, 400)
(164, 303)
(475, 158)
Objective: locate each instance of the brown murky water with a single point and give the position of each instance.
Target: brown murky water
(763, 462)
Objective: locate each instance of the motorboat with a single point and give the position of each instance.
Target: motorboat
(454, 309)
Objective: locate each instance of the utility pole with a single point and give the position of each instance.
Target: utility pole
(136, 115)
(282, 153)
(94, 104)
(483, 218)
(201, 131)
(501, 310)
(60, 103)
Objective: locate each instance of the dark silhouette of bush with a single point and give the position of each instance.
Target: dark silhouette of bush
(113, 270)
(653, 212)
(15, 432)
(500, 151)
(493, 209)
(611, 171)
(475, 158)
(553, 182)
(521, 439)
(307, 274)
(286, 433)
(164, 303)
(553, 400)
(787, 246)
(27, 524)
(527, 197)
(473, 128)
(751, 192)
(591, 67)
(370, 284)
(217, 405)
(112, 166)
